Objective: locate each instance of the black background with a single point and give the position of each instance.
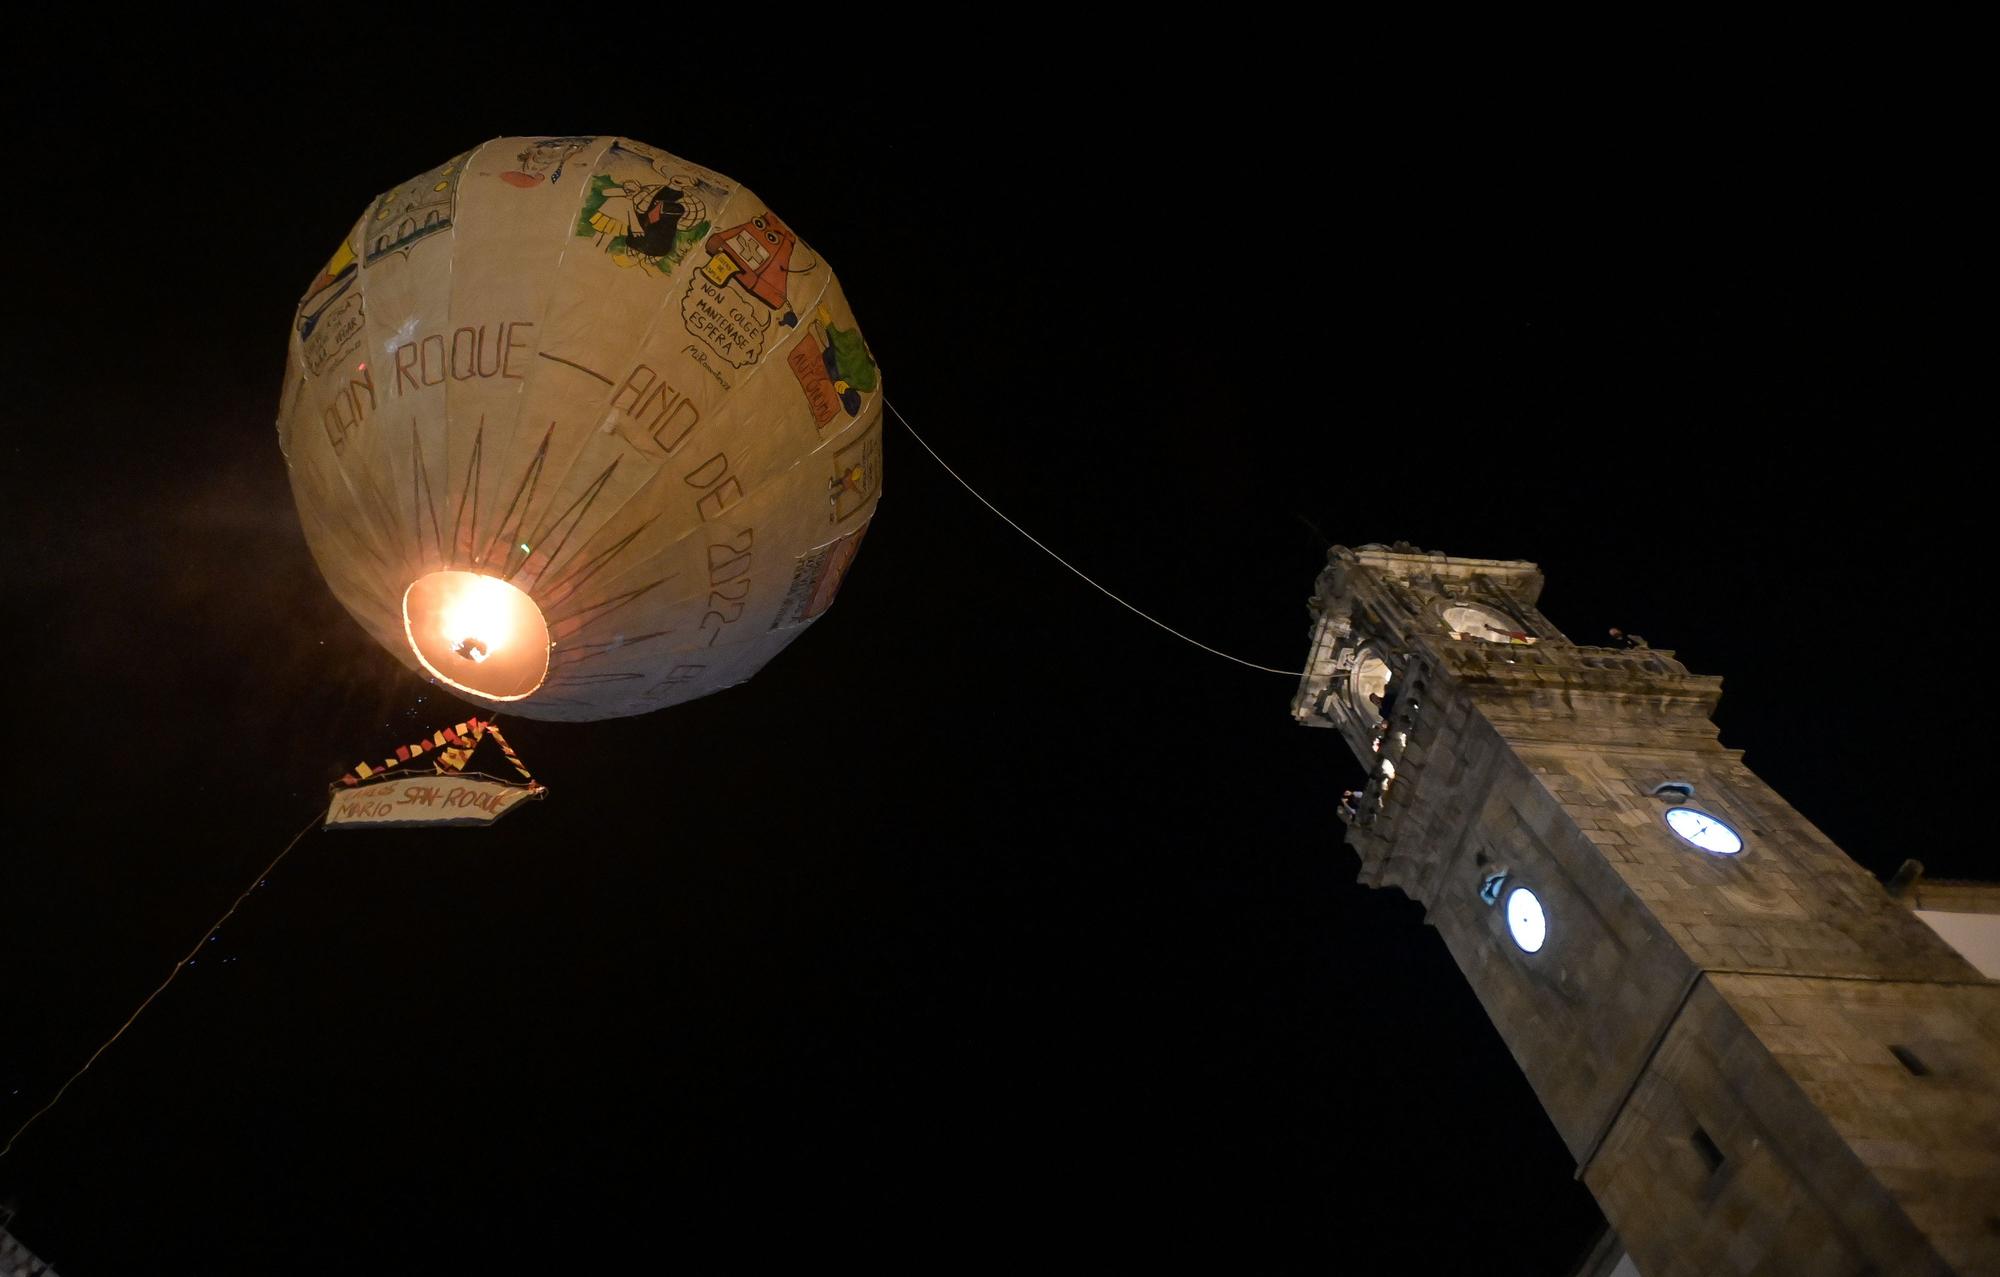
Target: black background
(989, 924)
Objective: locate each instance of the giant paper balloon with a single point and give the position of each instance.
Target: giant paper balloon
(580, 429)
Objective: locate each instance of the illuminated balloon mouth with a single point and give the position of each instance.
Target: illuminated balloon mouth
(478, 634)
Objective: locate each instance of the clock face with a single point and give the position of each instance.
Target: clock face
(1525, 920)
(1471, 621)
(1704, 831)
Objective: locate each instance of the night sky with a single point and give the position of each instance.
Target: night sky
(988, 925)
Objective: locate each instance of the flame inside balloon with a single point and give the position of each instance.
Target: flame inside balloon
(477, 634)
(477, 615)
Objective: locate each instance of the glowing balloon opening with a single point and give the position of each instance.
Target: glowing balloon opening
(478, 616)
(477, 634)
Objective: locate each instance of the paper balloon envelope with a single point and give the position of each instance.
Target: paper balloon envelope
(580, 429)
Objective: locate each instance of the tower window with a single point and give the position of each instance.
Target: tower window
(1473, 621)
(1908, 1059)
(1711, 1153)
(1369, 684)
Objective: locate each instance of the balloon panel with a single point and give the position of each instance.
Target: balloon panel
(613, 379)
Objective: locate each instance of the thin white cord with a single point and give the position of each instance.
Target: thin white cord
(212, 929)
(1066, 563)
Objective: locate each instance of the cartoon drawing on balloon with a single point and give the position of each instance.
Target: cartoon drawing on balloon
(816, 578)
(330, 314)
(650, 225)
(755, 256)
(731, 301)
(333, 280)
(857, 471)
(543, 159)
(835, 369)
(413, 212)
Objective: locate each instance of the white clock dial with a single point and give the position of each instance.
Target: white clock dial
(1704, 831)
(1525, 920)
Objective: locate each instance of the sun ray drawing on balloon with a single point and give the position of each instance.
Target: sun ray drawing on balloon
(422, 499)
(463, 533)
(561, 528)
(563, 627)
(594, 680)
(574, 580)
(517, 509)
(577, 654)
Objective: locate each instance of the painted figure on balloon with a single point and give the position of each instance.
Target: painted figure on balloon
(643, 224)
(543, 160)
(756, 256)
(847, 362)
(327, 288)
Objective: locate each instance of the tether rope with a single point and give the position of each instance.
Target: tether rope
(1072, 567)
(213, 928)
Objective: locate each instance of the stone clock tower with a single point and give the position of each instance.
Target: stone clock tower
(1759, 1060)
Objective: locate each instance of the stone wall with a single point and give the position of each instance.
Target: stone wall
(16, 1260)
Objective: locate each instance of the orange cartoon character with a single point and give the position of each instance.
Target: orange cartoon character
(756, 256)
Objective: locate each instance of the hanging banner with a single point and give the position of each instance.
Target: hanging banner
(406, 801)
(433, 788)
